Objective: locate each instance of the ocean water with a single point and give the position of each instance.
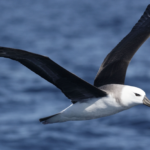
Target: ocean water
(77, 35)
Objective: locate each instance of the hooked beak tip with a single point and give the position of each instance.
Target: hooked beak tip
(146, 101)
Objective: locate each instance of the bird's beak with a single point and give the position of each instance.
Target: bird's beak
(146, 101)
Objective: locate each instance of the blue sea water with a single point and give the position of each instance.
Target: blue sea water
(76, 34)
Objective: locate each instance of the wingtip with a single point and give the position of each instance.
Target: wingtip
(148, 6)
(144, 21)
(147, 9)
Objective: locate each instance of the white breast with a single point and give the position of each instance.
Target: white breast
(92, 108)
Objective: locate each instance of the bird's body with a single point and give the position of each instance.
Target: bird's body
(89, 109)
(108, 95)
(93, 108)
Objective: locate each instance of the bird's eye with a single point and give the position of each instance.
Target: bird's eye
(136, 94)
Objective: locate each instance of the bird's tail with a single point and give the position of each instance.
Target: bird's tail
(50, 119)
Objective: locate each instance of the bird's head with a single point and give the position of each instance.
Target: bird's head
(132, 96)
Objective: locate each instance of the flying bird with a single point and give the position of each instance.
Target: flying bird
(108, 95)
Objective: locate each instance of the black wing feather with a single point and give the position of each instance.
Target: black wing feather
(72, 86)
(113, 68)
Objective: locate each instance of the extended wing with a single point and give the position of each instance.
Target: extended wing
(72, 86)
(113, 68)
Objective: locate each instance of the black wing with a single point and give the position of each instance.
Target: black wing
(113, 68)
(72, 86)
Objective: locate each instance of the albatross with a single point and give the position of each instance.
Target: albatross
(108, 95)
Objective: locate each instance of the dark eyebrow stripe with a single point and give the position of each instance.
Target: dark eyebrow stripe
(137, 94)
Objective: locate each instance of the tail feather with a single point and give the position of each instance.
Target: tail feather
(45, 119)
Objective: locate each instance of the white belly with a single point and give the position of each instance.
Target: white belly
(94, 108)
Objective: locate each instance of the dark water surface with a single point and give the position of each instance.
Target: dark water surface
(77, 34)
